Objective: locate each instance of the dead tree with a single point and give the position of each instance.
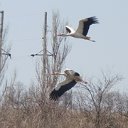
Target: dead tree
(96, 95)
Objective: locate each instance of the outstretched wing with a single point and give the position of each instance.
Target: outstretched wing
(84, 25)
(59, 91)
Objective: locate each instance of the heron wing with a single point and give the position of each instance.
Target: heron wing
(57, 92)
(84, 25)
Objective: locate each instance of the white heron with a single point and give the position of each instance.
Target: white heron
(82, 29)
(72, 78)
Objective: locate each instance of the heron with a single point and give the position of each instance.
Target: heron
(72, 78)
(82, 30)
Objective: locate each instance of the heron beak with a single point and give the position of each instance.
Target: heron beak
(59, 34)
(57, 73)
(52, 74)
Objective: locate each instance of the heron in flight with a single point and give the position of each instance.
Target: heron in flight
(72, 78)
(82, 29)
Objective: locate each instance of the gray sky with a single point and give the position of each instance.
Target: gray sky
(25, 21)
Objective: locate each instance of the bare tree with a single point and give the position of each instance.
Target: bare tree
(97, 93)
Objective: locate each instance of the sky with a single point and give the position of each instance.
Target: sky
(24, 20)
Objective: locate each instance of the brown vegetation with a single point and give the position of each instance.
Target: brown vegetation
(28, 109)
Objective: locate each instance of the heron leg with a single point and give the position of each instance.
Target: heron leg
(89, 38)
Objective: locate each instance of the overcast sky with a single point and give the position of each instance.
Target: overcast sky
(24, 19)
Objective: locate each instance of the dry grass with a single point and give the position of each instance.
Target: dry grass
(53, 116)
(46, 117)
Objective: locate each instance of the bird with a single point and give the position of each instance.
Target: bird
(71, 80)
(6, 53)
(82, 30)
